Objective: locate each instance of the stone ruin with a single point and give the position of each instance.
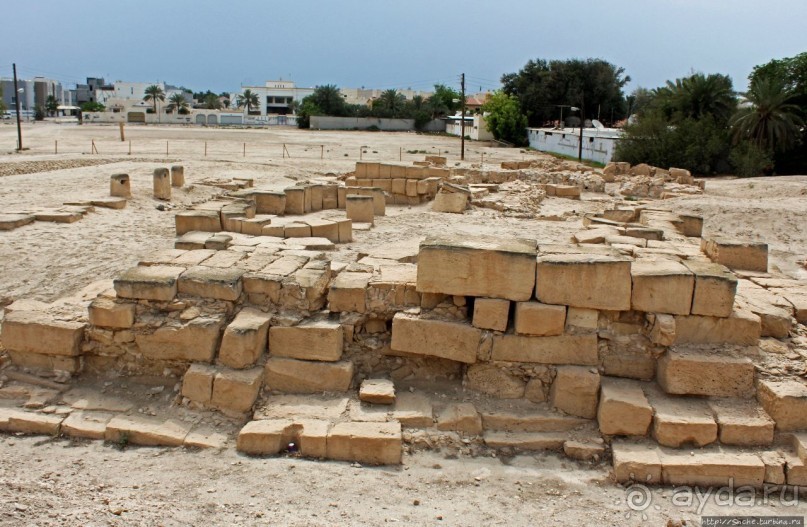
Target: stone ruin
(630, 344)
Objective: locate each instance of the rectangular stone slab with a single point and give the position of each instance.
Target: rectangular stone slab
(482, 266)
(563, 349)
(155, 282)
(37, 332)
(593, 281)
(436, 338)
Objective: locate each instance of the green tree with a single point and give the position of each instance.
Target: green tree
(177, 102)
(92, 106)
(504, 118)
(766, 118)
(249, 99)
(697, 96)
(329, 100)
(39, 113)
(749, 160)
(52, 105)
(444, 101)
(154, 93)
(639, 101)
(212, 102)
(3, 107)
(542, 86)
(390, 104)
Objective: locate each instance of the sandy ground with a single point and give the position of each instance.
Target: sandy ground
(59, 482)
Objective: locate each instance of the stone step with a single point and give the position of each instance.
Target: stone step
(679, 421)
(717, 466)
(693, 372)
(525, 440)
(785, 400)
(523, 416)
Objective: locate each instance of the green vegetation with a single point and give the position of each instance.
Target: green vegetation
(154, 93)
(504, 119)
(177, 102)
(92, 106)
(52, 105)
(249, 99)
(3, 108)
(211, 102)
(39, 113)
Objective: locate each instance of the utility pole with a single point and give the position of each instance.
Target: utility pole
(17, 100)
(582, 123)
(462, 126)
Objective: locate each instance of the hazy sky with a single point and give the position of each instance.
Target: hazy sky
(390, 44)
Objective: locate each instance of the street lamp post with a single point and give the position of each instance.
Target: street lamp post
(18, 91)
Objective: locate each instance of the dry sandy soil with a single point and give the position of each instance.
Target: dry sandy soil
(61, 482)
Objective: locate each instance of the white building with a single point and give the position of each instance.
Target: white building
(475, 127)
(599, 143)
(275, 97)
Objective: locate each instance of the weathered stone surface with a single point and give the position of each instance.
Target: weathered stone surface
(453, 202)
(377, 391)
(491, 313)
(494, 380)
(107, 313)
(436, 338)
(197, 383)
(683, 420)
(482, 266)
(154, 282)
(715, 288)
(712, 469)
(528, 417)
(774, 311)
(19, 421)
(26, 359)
(685, 372)
(245, 339)
(212, 282)
(37, 332)
(319, 340)
(537, 319)
(742, 327)
(591, 281)
(266, 437)
(575, 391)
(563, 349)
(139, 430)
(360, 209)
(583, 450)
(785, 401)
(236, 390)
(268, 202)
(742, 423)
(90, 425)
(582, 320)
(348, 292)
(460, 417)
(371, 443)
(196, 340)
(299, 376)
(735, 254)
(636, 462)
(197, 220)
(774, 467)
(661, 286)
(525, 440)
(623, 408)
(413, 410)
(10, 222)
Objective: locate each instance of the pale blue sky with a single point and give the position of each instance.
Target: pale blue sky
(389, 43)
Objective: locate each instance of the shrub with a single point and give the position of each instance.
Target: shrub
(749, 160)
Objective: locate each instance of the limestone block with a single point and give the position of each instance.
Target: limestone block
(268, 202)
(785, 401)
(563, 349)
(623, 408)
(491, 313)
(348, 292)
(575, 391)
(715, 288)
(266, 437)
(662, 331)
(245, 339)
(413, 410)
(330, 197)
(774, 311)
(195, 340)
(23, 422)
(236, 390)
(139, 430)
(735, 254)
(212, 282)
(592, 281)
(295, 201)
(636, 463)
(324, 229)
(371, 443)
(120, 186)
(522, 441)
(177, 176)
(197, 383)
(567, 191)
(460, 417)
(89, 425)
(683, 420)
(197, 220)
(742, 328)
(774, 467)
(493, 380)
(299, 376)
(58, 216)
(360, 209)
(377, 391)
(107, 313)
(254, 226)
(454, 202)
(537, 319)
(345, 230)
(712, 469)
(319, 340)
(218, 242)
(661, 286)
(742, 423)
(26, 359)
(686, 372)
(482, 266)
(37, 332)
(316, 197)
(580, 319)
(162, 184)
(436, 338)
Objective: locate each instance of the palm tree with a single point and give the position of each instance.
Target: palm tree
(697, 96)
(392, 101)
(177, 102)
(247, 99)
(212, 102)
(154, 93)
(766, 118)
(52, 105)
